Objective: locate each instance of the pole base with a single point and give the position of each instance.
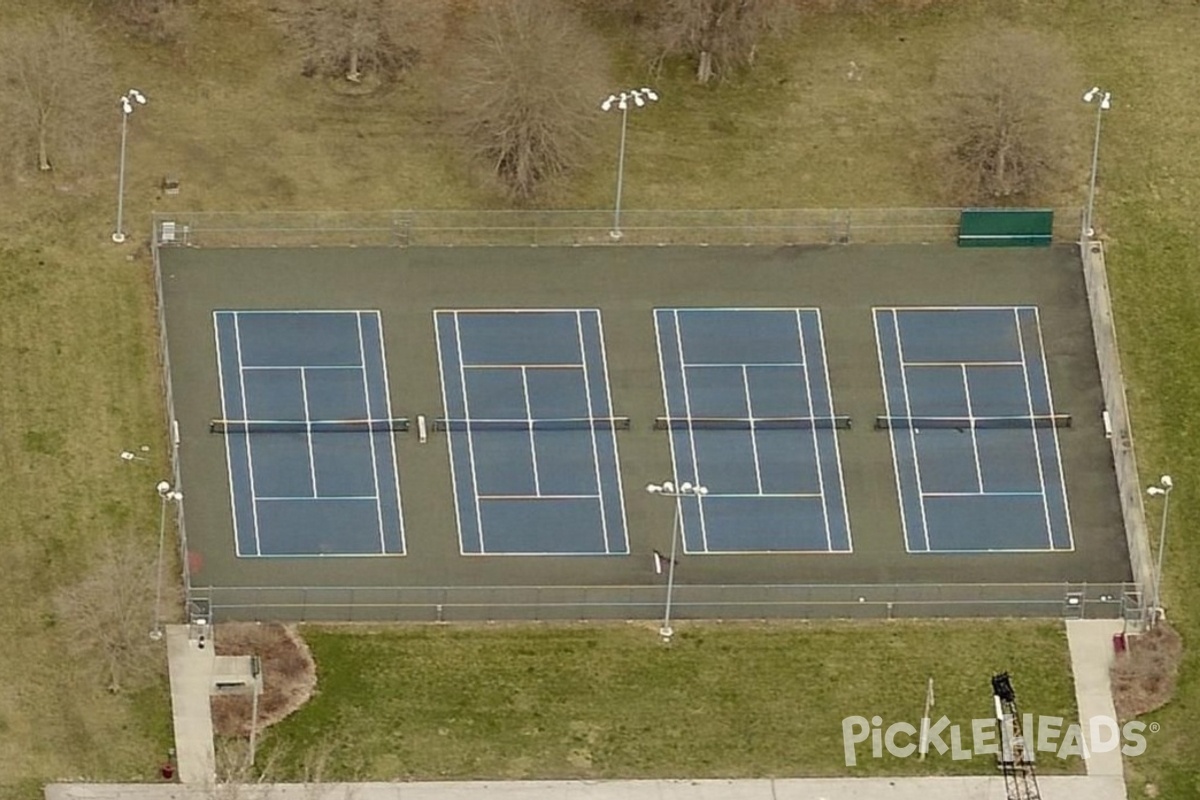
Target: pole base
(615, 235)
(666, 633)
(156, 635)
(118, 238)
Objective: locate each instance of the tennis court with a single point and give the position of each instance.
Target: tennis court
(532, 438)
(975, 437)
(306, 414)
(519, 400)
(750, 415)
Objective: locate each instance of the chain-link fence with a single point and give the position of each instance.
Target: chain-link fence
(1118, 424)
(164, 359)
(495, 603)
(728, 227)
(773, 227)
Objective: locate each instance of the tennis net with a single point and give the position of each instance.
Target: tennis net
(974, 423)
(567, 424)
(751, 423)
(307, 426)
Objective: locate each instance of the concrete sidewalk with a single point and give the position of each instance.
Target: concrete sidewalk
(191, 669)
(1091, 645)
(976, 788)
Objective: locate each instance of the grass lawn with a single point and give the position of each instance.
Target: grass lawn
(243, 131)
(607, 701)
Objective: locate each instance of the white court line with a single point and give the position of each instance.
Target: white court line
(237, 338)
(887, 407)
(912, 434)
(524, 366)
(963, 363)
(1062, 476)
(974, 438)
(613, 433)
(753, 435)
(537, 485)
(1037, 446)
(813, 433)
(837, 449)
(719, 309)
(504, 311)
(393, 456)
(662, 377)
(755, 364)
(458, 517)
(806, 495)
(362, 363)
(981, 494)
(225, 415)
(312, 464)
(952, 308)
(540, 497)
(470, 439)
(359, 498)
(262, 312)
(587, 391)
(261, 368)
(687, 410)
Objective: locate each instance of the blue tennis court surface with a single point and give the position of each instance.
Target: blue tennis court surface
(770, 489)
(535, 468)
(308, 492)
(973, 488)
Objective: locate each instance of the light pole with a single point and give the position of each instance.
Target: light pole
(621, 101)
(1163, 490)
(668, 489)
(166, 494)
(128, 102)
(1103, 101)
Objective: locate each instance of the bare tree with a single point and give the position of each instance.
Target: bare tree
(106, 616)
(355, 38)
(54, 91)
(523, 92)
(156, 20)
(1002, 112)
(720, 36)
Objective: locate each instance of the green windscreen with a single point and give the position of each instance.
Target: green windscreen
(1004, 227)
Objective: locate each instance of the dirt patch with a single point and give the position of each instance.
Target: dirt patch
(1143, 677)
(289, 675)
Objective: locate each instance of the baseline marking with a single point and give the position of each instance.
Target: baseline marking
(237, 338)
(687, 409)
(394, 455)
(912, 436)
(1037, 447)
(362, 363)
(837, 448)
(813, 433)
(360, 498)
(237, 547)
(470, 441)
(616, 452)
(587, 390)
(1062, 475)
(887, 405)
